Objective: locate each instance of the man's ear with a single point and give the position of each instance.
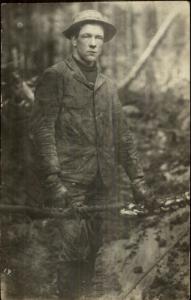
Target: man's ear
(74, 41)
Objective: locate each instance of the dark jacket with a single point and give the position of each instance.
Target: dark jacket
(78, 128)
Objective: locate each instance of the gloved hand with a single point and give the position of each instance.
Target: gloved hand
(79, 206)
(60, 199)
(142, 194)
(57, 193)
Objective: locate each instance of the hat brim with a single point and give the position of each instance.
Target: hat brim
(109, 29)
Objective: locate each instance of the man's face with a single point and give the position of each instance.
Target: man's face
(89, 43)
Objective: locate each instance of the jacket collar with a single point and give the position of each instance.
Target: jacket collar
(78, 75)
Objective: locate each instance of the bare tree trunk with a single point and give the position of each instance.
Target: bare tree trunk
(150, 27)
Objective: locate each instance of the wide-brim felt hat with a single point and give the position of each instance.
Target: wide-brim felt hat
(91, 16)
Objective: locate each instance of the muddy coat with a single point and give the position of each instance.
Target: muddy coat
(79, 129)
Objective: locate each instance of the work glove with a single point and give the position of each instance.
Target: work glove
(57, 193)
(60, 199)
(79, 207)
(142, 195)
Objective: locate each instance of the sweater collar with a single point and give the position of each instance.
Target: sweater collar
(78, 75)
(84, 67)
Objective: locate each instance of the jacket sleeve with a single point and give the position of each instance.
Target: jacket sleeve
(124, 142)
(43, 122)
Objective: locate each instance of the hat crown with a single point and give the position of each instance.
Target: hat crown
(89, 14)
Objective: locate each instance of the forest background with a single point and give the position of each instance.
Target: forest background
(156, 100)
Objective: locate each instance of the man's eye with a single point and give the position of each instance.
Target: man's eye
(99, 37)
(86, 36)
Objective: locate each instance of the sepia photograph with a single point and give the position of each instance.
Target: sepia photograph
(95, 150)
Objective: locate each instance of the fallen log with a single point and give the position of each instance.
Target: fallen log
(154, 265)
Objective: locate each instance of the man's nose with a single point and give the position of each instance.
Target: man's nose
(93, 42)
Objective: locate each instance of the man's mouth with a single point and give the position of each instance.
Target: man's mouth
(92, 52)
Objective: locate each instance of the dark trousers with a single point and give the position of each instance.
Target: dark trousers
(83, 238)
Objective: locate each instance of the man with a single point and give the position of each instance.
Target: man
(80, 135)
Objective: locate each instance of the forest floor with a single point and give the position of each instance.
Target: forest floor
(161, 127)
